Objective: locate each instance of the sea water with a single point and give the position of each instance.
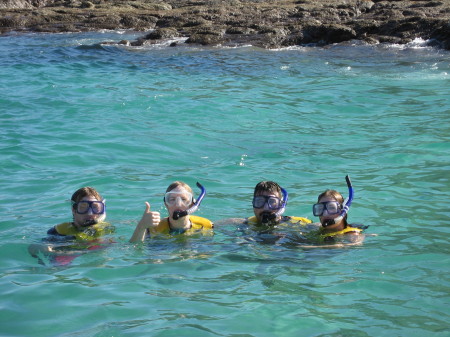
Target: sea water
(130, 120)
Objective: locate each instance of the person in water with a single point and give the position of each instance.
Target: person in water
(86, 228)
(89, 213)
(334, 226)
(180, 204)
(269, 202)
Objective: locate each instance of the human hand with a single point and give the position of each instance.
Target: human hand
(149, 219)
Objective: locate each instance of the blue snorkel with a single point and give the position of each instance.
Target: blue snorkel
(345, 206)
(180, 214)
(283, 205)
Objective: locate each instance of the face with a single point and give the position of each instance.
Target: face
(265, 209)
(91, 210)
(326, 216)
(178, 199)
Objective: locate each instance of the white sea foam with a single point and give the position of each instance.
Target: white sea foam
(417, 43)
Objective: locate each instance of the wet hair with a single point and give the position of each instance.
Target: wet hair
(85, 192)
(178, 183)
(267, 186)
(336, 196)
(332, 194)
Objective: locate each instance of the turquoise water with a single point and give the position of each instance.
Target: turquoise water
(130, 121)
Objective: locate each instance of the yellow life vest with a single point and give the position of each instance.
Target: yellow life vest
(199, 225)
(349, 229)
(86, 234)
(284, 219)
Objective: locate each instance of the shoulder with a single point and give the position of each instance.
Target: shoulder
(65, 228)
(52, 231)
(347, 231)
(296, 219)
(354, 229)
(358, 226)
(203, 222)
(104, 228)
(284, 219)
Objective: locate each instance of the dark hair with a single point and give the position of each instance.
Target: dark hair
(267, 186)
(85, 192)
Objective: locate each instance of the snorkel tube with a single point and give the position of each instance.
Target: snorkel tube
(180, 214)
(345, 206)
(266, 216)
(283, 205)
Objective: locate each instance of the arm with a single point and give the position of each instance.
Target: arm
(149, 220)
(229, 221)
(53, 235)
(346, 240)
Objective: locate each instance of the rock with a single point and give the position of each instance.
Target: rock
(330, 33)
(22, 4)
(205, 39)
(87, 4)
(162, 33)
(264, 23)
(364, 6)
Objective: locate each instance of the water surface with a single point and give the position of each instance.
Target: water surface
(129, 121)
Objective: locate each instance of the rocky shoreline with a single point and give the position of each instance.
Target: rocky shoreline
(262, 23)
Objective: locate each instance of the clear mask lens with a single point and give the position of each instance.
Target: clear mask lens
(332, 207)
(184, 199)
(272, 202)
(97, 207)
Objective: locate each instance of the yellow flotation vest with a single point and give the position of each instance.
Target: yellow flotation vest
(284, 219)
(86, 234)
(348, 229)
(199, 225)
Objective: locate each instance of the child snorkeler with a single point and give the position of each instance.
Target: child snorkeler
(89, 213)
(331, 208)
(68, 240)
(180, 204)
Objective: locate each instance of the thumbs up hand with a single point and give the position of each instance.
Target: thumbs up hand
(149, 219)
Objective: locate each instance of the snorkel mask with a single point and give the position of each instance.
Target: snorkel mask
(345, 206)
(179, 214)
(95, 207)
(268, 217)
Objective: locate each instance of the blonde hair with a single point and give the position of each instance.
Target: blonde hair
(178, 183)
(332, 194)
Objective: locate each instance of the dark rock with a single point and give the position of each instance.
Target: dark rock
(205, 39)
(87, 4)
(264, 23)
(331, 33)
(162, 33)
(239, 30)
